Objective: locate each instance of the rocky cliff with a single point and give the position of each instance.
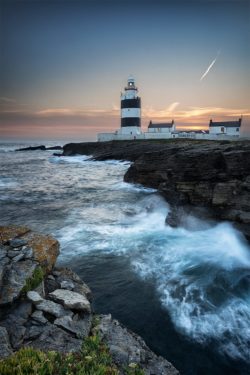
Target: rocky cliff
(49, 309)
(210, 179)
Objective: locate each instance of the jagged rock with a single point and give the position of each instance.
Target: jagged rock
(34, 297)
(126, 347)
(17, 242)
(39, 317)
(65, 284)
(14, 279)
(71, 300)
(33, 332)
(5, 348)
(15, 323)
(18, 257)
(53, 308)
(80, 327)
(55, 338)
(40, 249)
(66, 275)
(45, 250)
(12, 231)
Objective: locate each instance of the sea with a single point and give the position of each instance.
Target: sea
(185, 291)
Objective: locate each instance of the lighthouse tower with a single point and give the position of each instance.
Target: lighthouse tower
(130, 110)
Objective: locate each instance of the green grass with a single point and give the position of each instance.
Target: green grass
(34, 280)
(94, 359)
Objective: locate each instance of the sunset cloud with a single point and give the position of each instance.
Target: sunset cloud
(85, 123)
(54, 112)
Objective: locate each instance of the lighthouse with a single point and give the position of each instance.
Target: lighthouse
(130, 110)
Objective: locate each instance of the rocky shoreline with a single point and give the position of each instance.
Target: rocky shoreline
(49, 308)
(207, 179)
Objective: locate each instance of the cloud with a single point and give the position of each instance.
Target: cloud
(209, 67)
(4, 99)
(194, 113)
(172, 106)
(74, 112)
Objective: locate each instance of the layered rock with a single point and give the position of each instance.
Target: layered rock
(214, 176)
(54, 312)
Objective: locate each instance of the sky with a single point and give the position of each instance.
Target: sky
(63, 64)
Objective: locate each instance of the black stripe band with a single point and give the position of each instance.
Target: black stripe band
(131, 103)
(130, 121)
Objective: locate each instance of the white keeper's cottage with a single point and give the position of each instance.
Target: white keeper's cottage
(225, 127)
(163, 127)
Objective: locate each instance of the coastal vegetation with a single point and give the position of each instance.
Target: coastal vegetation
(93, 359)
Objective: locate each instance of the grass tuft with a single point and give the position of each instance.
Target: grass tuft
(33, 281)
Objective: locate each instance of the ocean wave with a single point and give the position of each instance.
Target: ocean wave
(132, 187)
(203, 279)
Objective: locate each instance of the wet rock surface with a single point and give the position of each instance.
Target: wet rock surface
(56, 314)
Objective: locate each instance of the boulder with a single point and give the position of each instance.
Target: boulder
(14, 277)
(71, 300)
(53, 308)
(79, 326)
(34, 297)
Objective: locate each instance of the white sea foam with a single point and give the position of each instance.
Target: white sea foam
(69, 159)
(197, 273)
(132, 187)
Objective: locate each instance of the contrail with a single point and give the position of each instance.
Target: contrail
(210, 66)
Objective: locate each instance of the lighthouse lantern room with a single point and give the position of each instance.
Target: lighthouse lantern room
(130, 110)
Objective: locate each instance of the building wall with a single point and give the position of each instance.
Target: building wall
(160, 130)
(227, 130)
(105, 137)
(132, 130)
(153, 135)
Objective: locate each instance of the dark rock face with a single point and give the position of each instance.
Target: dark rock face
(210, 175)
(41, 148)
(128, 348)
(32, 148)
(118, 150)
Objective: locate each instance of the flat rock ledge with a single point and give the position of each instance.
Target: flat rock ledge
(49, 308)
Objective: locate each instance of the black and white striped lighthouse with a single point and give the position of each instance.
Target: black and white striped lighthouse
(130, 109)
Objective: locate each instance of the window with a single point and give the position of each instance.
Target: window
(222, 129)
(237, 129)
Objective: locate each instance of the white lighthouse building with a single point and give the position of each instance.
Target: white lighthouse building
(130, 116)
(130, 110)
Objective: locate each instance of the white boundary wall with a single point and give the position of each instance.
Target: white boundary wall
(105, 137)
